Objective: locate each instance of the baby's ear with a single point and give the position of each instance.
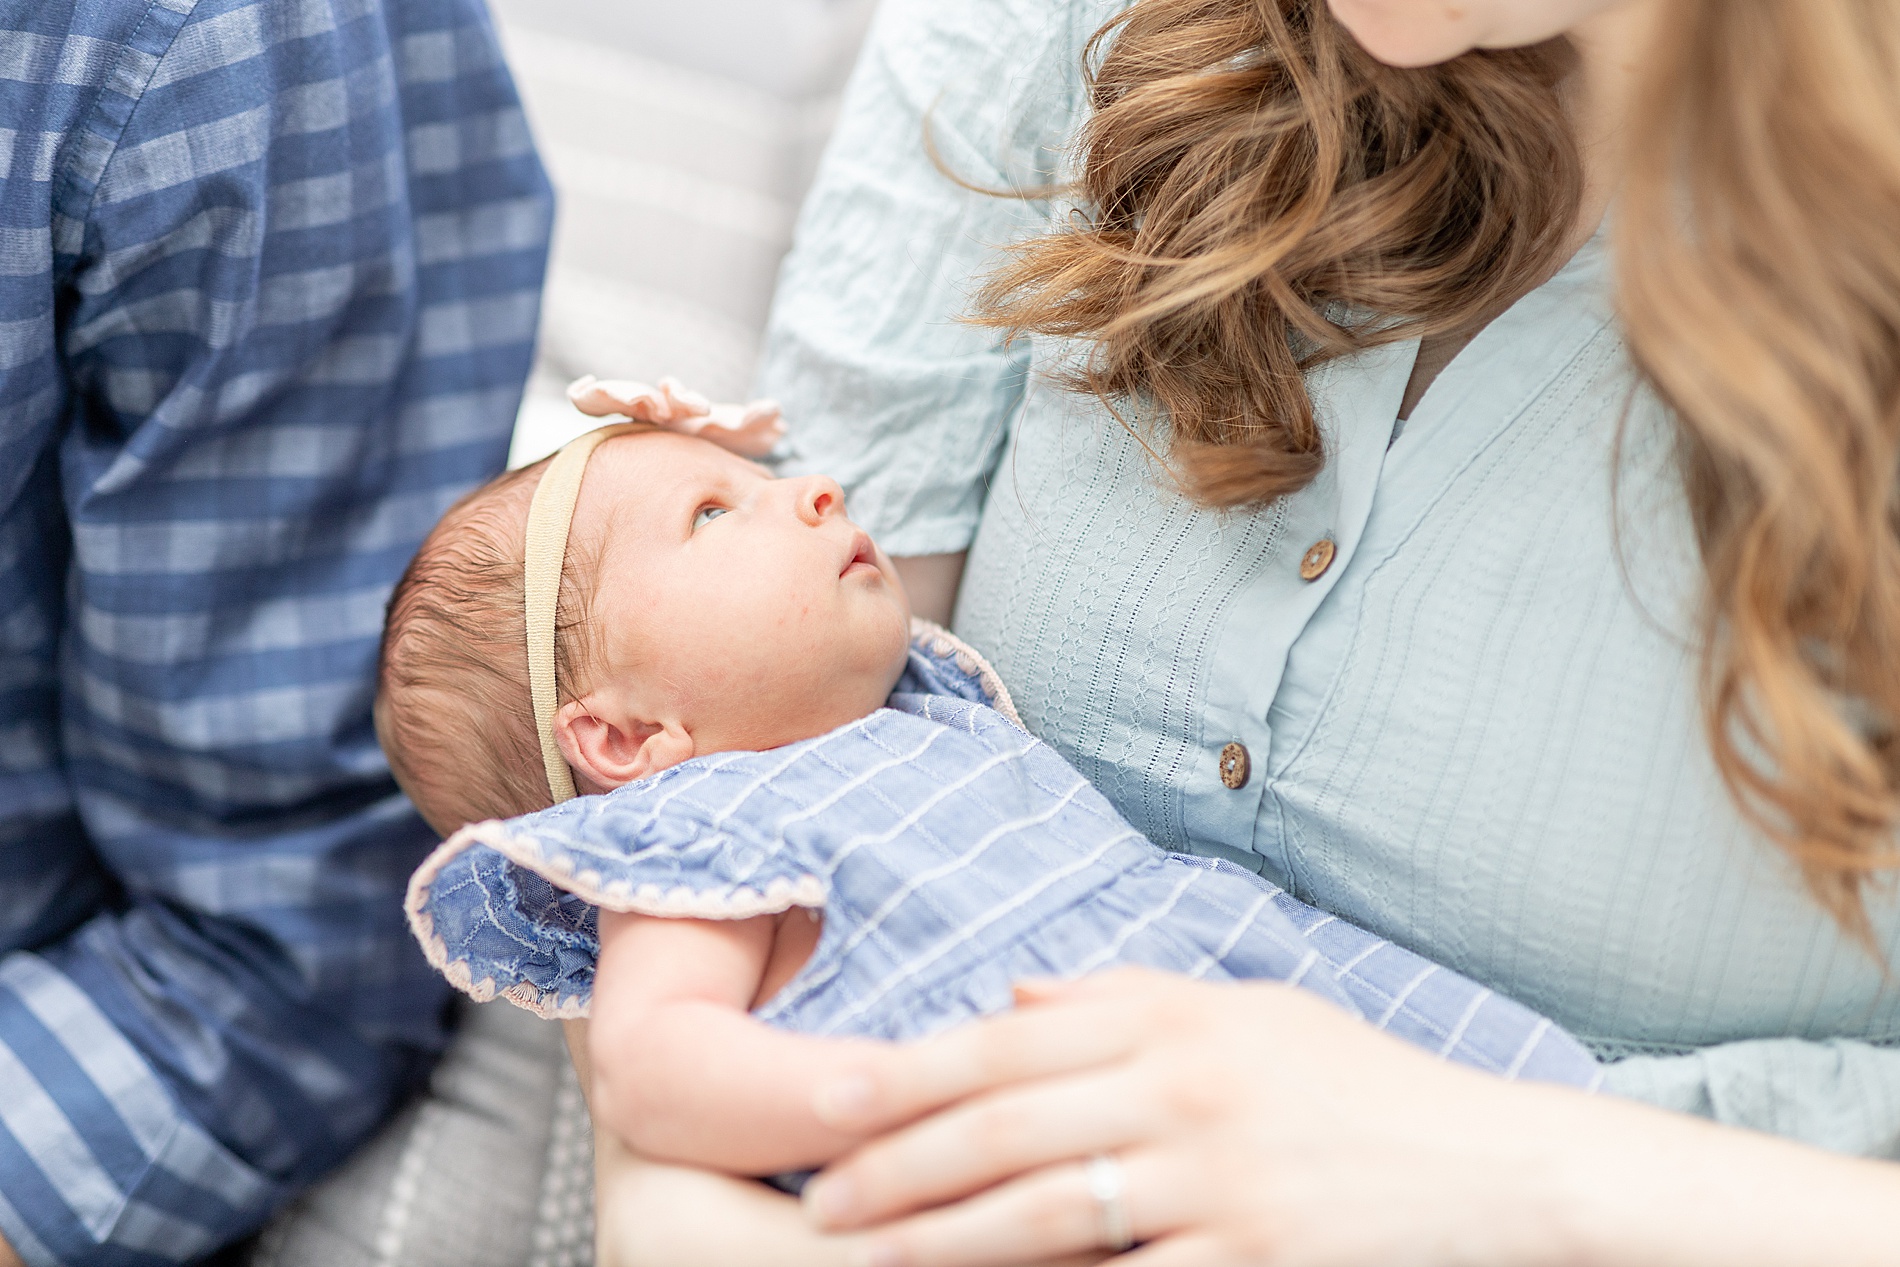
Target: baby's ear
(607, 752)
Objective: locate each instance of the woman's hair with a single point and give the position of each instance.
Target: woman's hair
(1263, 196)
(1758, 274)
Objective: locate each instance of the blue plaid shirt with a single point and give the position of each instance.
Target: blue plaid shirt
(268, 281)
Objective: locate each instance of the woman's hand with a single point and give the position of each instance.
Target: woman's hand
(1255, 1124)
(1241, 1116)
(654, 1215)
(648, 1214)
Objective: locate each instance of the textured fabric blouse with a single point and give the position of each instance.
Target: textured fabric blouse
(953, 855)
(1471, 713)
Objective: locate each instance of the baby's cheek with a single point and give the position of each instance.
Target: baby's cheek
(715, 650)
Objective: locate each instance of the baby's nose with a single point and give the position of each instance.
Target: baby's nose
(817, 498)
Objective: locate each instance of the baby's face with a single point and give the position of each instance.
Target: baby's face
(745, 606)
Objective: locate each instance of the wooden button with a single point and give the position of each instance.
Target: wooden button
(1235, 765)
(1318, 557)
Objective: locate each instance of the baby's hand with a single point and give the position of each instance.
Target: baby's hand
(750, 430)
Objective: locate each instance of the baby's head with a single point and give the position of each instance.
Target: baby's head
(704, 606)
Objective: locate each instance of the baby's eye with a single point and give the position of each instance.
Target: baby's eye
(706, 515)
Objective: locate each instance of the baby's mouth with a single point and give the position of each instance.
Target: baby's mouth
(863, 557)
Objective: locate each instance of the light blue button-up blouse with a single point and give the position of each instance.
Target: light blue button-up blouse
(1476, 732)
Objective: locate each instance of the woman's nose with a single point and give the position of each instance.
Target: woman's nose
(817, 498)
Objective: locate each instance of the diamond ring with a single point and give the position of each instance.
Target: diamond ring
(1104, 1174)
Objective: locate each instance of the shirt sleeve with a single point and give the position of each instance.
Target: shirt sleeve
(1840, 1094)
(286, 290)
(884, 387)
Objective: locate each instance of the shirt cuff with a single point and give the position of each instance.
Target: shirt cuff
(97, 1164)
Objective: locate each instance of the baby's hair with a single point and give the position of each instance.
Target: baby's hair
(453, 712)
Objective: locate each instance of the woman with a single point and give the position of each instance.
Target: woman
(1354, 506)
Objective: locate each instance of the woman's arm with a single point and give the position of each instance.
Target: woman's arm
(883, 386)
(931, 581)
(682, 1073)
(1255, 1124)
(1840, 1094)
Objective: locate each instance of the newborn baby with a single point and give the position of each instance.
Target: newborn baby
(822, 822)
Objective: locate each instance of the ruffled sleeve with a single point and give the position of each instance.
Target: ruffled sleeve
(507, 908)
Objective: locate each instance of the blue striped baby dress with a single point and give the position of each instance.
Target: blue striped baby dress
(952, 854)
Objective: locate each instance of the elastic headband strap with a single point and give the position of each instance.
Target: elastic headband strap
(548, 519)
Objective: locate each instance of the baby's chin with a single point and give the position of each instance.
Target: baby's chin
(869, 681)
(879, 627)
(896, 650)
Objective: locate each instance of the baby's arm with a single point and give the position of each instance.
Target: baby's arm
(682, 1073)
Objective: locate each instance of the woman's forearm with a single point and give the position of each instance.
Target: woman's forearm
(1840, 1093)
(931, 581)
(1633, 1184)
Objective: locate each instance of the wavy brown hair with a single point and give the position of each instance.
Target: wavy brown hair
(1262, 196)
